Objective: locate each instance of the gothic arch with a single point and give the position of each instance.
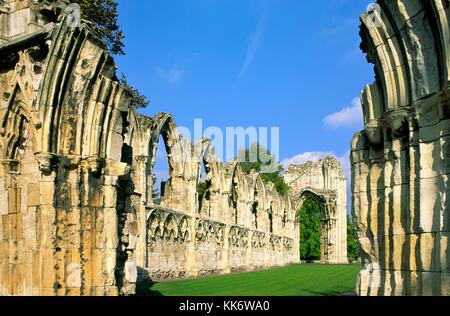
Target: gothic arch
(178, 149)
(206, 158)
(17, 128)
(327, 204)
(324, 183)
(411, 55)
(404, 139)
(237, 187)
(258, 196)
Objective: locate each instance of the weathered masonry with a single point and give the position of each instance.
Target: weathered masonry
(238, 224)
(76, 209)
(325, 183)
(400, 162)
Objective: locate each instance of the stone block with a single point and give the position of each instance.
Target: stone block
(47, 193)
(431, 209)
(427, 252)
(4, 206)
(13, 201)
(443, 255)
(29, 226)
(34, 194)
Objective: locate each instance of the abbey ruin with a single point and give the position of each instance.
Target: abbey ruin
(399, 162)
(77, 215)
(324, 183)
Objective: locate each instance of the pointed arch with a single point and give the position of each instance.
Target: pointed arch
(17, 127)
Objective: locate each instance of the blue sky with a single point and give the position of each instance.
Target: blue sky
(272, 63)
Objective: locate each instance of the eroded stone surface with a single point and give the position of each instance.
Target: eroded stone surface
(76, 209)
(325, 183)
(400, 160)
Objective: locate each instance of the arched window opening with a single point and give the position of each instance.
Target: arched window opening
(255, 214)
(233, 200)
(284, 219)
(310, 230)
(160, 173)
(271, 220)
(204, 190)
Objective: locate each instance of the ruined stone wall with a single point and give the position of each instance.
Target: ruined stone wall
(324, 182)
(400, 160)
(76, 209)
(66, 223)
(239, 224)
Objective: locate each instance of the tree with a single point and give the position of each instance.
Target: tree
(310, 231)
(139, 101)
(353, 246)
(261, 160)
(202, 189)
(104, 16)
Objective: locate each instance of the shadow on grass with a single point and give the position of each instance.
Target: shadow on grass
(329, 293)
(145, 289)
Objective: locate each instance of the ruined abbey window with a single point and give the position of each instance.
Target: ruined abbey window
(160, 172)
(255, 214)
(271, 219)
(204, 190)
(310, 230)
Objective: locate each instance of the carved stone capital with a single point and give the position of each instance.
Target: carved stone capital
(46, 162)
(11, 166)
(96, 165)
(374, 132)
(398, 121)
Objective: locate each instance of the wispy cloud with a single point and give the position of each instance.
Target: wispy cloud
(173, 75)
(254, 41)
(340, 27)
(350, 117)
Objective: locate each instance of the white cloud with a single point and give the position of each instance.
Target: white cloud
(173, 75)
(303, 158)
(346, 165)
(315, 157)
(351, 116)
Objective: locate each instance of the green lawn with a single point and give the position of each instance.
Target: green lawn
(296, 280)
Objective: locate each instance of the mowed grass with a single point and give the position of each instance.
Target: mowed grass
(295, 280)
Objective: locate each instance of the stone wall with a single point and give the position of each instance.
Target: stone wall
(400, 160)
(239, 224)
(63, 122)
(76, 209)
(324, 182)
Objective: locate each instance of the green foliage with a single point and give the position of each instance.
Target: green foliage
(139, 101)
(260, 159)
(310, 231)
(201, 190)
(105, 17)
(353, 246)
